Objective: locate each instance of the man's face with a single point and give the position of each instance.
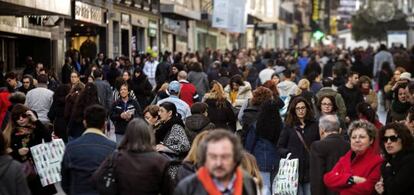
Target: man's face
(26, 83)
(12, 82)
(354, 79)
(220, 159)
(39, 66)
(101, 56)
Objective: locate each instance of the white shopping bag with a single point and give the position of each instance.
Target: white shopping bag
(286, 180)
(47, 158)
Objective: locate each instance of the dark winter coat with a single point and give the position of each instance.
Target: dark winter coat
(56, 114)
(195, 124)
(351, 98)
(192, 186)
(397, 177)
(289, 142)
(142, 89)
(222, 117)
(324, 155)
(119, 107)
(140, 173)
(12, 179)
(39, 133)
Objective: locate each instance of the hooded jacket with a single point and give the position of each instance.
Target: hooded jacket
(287, 88)
(196, 123)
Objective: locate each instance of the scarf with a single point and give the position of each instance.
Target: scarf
(204, 177)
(165, 128)
(365, 91)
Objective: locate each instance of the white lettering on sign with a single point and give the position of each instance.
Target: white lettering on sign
(88, 13)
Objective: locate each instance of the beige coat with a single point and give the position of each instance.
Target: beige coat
(244, 93)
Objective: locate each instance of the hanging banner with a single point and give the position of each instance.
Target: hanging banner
(230, 15)
(221, 13)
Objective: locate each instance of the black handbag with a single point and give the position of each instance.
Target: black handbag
(105, 180)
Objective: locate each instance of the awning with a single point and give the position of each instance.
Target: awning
(35, 7)
(179, 12)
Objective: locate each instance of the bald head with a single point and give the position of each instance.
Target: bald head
(182, 75)
(329, 124)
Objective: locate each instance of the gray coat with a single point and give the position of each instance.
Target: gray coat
(104, 93)
(200, 81)
(12, 179)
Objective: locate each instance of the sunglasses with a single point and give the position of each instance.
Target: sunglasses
(23, 115)
(393, 138)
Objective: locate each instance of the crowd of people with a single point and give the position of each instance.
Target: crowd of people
(216, 122)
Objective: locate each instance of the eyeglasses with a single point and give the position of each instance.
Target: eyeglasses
(393, 138)
(326, 104)
(300, 108)
(23, 115)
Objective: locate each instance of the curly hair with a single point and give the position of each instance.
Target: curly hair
(260, 95)
(363, 124)
(272, 86)
(291, 118)
(402, 132)
(331, 98)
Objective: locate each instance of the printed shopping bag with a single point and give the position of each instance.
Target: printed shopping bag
(286, 180)
(47, 158)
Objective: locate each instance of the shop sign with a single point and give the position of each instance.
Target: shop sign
(178, 27)
(266, 26)
(315, 10)
(88, 13)
(138, 20)
(152, 29)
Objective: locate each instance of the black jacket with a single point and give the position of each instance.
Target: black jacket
(351, 98)
(192, 186)
(12, 179)
(140, 173)
(119, 107)
(397, 174)
(142, 89)
(324, 155)
(196, 123)
(289, 142)
(222, 117)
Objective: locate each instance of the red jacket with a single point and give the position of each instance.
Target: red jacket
(188, 92)
(365, 165)
(4, 104)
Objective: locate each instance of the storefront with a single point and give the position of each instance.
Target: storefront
(87, 33)
(31, 29)
(178, 27)
(206, 36)
(175, 35)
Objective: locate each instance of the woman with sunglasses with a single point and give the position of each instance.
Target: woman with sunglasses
(398, 167)
(23, 131)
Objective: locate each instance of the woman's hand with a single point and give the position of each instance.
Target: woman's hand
(23, 151)
(160, 147)
(379, 187)
(358, 179)
(31, 116)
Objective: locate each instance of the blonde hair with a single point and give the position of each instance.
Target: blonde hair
(249, 164)
(192, 154)
(217, 91)
(163, 87)
(304, 84)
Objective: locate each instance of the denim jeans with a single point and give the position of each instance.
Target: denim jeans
(304, 189)
(267, 184)
(119, 138)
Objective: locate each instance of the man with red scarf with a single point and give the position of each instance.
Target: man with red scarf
(220, 155)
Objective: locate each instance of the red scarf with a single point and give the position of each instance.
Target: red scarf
(204, 176)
